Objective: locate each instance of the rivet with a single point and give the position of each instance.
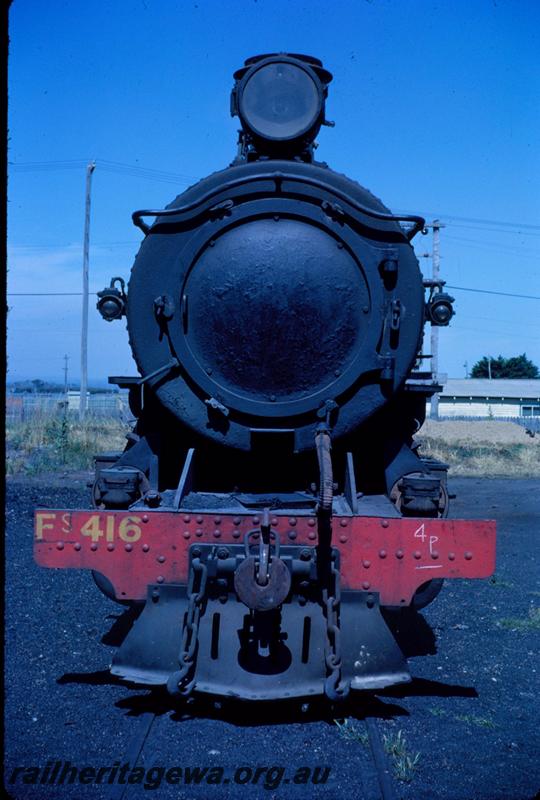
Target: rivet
(292, 521)
(217, 520)
(366, 585)
(399, 553)
(186, 534)
(311, 522)
(435, 555)
(199, 519)
(129, 547)
(187, 518)
(312, 535)
(256, 520)
(236, 534)
(77, 545)
(161, 559)
(292, 534)
(337, 372)
(468, 555)
(273, 398)
(366, 564)
(365, 309)
(382, 553)
(93, 546)
(160, 578)
(451, 556)
(145, 548)
(417, 554)
(211, 243)
(110, 546)
(217, 534)
(274, 521)
(237, 521)
(340, 245)
(342, 539)
(208, 370)
(60, 545)
(145, 518)
(196, 552)
(222, 553)
(276, 217)
(384, 523)
(198, 532)
(343, 523)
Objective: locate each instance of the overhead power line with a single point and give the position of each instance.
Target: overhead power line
(448, 286)
(489, 221)
(44, 294)
(489, 291)
(116, 167)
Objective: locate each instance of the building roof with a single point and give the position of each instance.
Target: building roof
(528, 389)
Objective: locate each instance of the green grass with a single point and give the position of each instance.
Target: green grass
(404, 762)
(437, 712)
(49, 443)
(488, 458)
(481, 722)
(500, 583)
(529, 623)
(348, 731)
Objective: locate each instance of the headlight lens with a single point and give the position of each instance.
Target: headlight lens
(280, 101)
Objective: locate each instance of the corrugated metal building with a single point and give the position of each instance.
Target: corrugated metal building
(481, 397)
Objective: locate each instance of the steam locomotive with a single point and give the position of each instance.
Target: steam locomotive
(271, 507)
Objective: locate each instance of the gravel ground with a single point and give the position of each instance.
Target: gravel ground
(470, 712)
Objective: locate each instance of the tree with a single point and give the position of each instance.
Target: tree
(516, 367)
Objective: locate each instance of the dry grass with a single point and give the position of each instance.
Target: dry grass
(482, 448)
(46, 443)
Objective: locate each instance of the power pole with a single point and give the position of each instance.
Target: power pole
(489, 367)
(84, 330)
(66, 359)
(436, 226)
(466, 365)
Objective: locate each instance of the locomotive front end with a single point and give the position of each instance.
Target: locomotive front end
(270, 516)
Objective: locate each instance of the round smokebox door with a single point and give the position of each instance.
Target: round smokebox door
(274, 312)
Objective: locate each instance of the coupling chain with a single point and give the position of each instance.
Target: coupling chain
(335, 688)
(182, 681)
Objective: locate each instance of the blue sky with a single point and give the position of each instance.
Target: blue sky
(436, 110)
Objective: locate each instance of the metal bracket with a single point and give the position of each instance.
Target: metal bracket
(350, 484)
(185, 484)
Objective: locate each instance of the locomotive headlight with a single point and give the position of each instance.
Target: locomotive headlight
(439, 308)
(280, 102)
(111, 302)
